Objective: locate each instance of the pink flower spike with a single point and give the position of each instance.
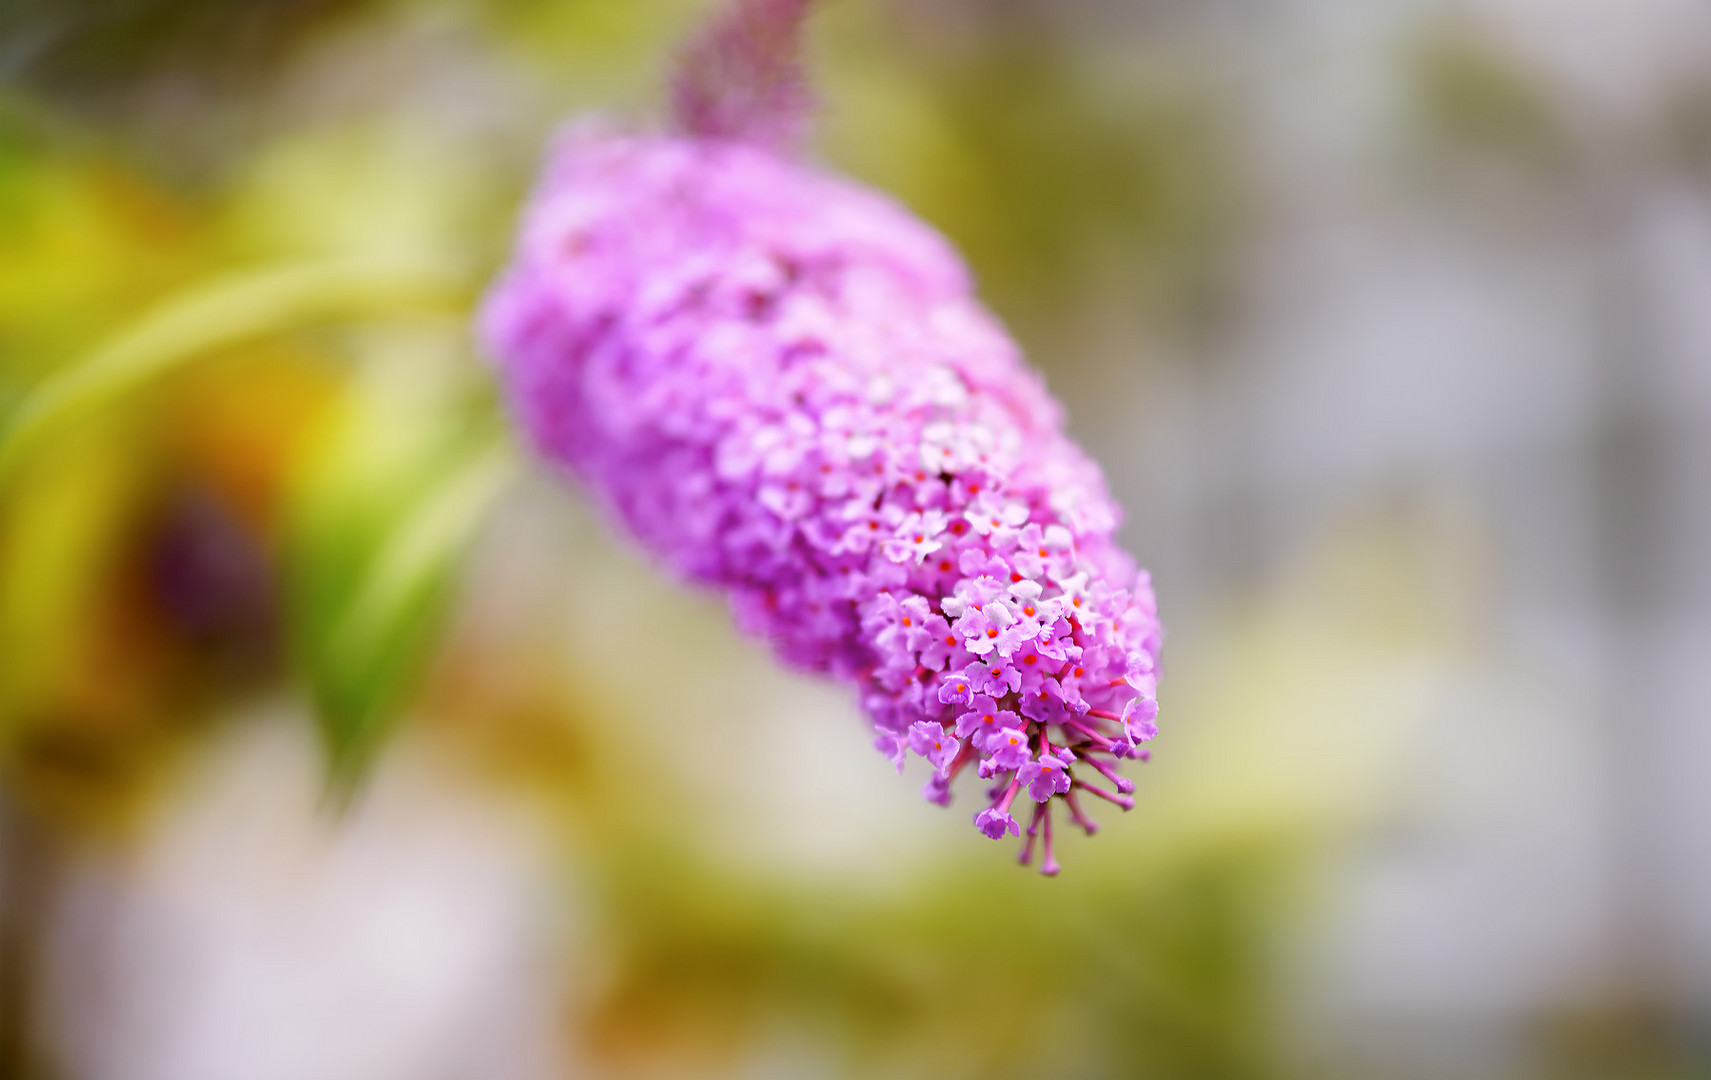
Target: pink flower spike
(782, 385)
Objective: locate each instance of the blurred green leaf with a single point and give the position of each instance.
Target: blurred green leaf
(399, 489)
(381, 514)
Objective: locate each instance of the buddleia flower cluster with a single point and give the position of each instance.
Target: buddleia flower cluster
(782, 384)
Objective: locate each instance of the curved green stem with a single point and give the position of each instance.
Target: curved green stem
(220, 314)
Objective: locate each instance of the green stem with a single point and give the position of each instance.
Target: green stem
(217, 315)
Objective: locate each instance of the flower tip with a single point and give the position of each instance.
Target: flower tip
(1050, 867)
(741, 77)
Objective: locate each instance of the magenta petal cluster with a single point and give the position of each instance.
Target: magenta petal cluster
(783, 385)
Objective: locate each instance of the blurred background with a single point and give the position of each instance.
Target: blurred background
(338, 740)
